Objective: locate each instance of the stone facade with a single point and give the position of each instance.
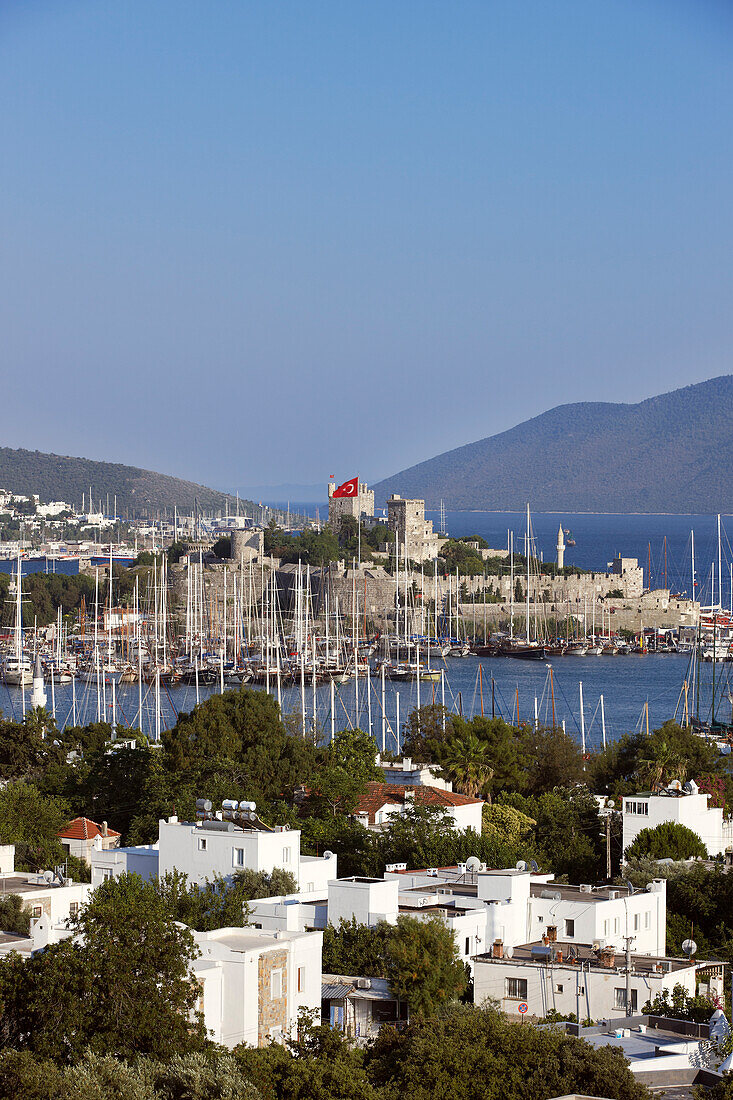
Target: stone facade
(338, 507)
(272, 1011)
(414, 535)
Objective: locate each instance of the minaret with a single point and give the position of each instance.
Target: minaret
(560, 548)
(38, 695)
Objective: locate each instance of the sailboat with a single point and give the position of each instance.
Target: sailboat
(17, 668)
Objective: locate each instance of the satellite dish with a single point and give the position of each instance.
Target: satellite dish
(49, 876)
(473, 863)
(610, 803)
(596, 945)
(522, 865)
(328, 854)
(689, 947)
(509, 952)
(630, 885)
(534, 865)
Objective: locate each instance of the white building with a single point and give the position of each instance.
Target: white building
(82, 836)
(592, 984)
(381, 801)
(254, 984)
(683, 805)
(482, 908)
(46, 894)
(407, 773)
(205, 848)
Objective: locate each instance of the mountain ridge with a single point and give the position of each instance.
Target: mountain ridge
(669, 452)
(139, 492)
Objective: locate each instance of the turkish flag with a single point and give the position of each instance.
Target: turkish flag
(348, 489)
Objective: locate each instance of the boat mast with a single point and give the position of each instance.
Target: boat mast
(720, 574)
(527, 553)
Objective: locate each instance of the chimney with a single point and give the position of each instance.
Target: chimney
(104, 829)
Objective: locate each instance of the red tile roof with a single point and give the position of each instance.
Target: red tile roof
(83, 828)
(383, 794)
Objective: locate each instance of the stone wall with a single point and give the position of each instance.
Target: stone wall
(272, 1012)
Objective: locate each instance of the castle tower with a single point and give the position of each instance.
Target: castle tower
(560, 548)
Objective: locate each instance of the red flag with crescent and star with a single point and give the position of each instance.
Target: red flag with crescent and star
(348, 489)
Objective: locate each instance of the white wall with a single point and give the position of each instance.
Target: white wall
(201, 853)
(587, 993)
(690, 810)
(596, 918)
(369, 900)
(142, 861)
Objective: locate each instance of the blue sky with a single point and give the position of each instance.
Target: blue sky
(250, 243)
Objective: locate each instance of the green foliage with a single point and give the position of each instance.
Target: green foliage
(15, 917)
(668, 840)
(568, 832)
(680, 1005)
(239, 735)
(349, 763)
(507, 825)
(311, 547)
(356, 949)
(670, 752)
(23, 751)
(423, 965)
(32, 821)
(456, 555)
(220, 903)
(476, 1054)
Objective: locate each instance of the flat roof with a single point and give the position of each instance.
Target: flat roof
(585, 954)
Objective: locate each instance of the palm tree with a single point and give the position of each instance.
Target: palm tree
(468, 765)
(662, 766)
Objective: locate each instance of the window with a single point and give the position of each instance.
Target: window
(468, 946)
(639, 808)
(637, 921)
(301, 979)
(238, 857)
(516, 989)
(620, 999)
(559, 988)
(276, 985)
(540, 920)
(106, 874)
(286, 855)
(202, 843)
(569, 929)
(605, 929)
(74, 908)
(647, 919)
(615, 926)
(37, 912)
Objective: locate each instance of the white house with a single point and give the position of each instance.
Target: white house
(592, 984)
(46, 894)
(381, 801)
(254, 984)
(214, 846)
(406, 772)
(82, 836)
(683, 805)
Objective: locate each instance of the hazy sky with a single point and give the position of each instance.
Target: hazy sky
(251, 243)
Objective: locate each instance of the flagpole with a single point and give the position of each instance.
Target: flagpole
(358, 517)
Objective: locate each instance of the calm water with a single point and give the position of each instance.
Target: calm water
(627, 684)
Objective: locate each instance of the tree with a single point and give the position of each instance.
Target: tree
(423, 965)
(32, 821)
(354, 948)
(15, 917)
(349, 763)
(568, 831)
(663, 764)
(506, 824)
(220, 903)
(681, 1005)
(476, 1054)
(668, 840)
(222, 548)
(123, 988)
(467, 763)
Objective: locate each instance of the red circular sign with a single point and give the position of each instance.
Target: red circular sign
(522, 1008)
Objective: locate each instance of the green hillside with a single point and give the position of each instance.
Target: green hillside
(672, 453)
(139, 492)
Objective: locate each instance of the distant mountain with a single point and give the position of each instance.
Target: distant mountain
(139, 492)
(672, 453)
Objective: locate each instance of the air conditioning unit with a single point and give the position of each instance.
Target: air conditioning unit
(586, 888)
(363, 983)
(432, 871)
(613, 894)
(396, 867)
